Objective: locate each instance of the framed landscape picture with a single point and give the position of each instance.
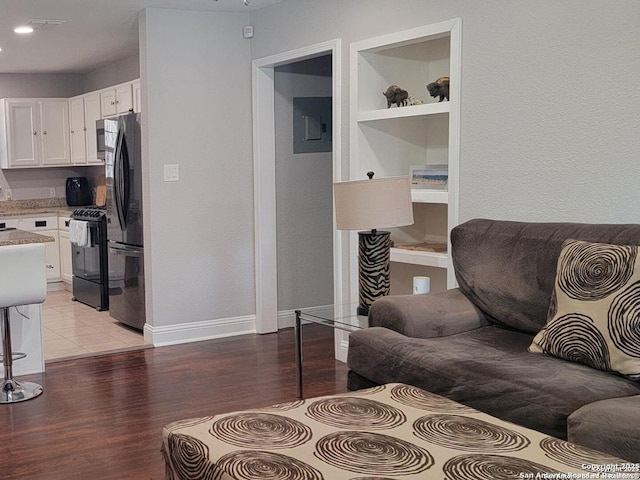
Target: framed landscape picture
(429, 176)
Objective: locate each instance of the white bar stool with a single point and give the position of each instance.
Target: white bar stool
(23, 281)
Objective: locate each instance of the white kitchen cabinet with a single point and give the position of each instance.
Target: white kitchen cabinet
(84, 112)
(92, 113)
(77, 131)
(19, 132)
(66, 269)
(54, 118)
(9, 223)
(46, 225)
(137, 94)
(389, 141)
(117, 100)
(34, 133)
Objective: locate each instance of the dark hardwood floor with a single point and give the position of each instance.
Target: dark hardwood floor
(101, 418)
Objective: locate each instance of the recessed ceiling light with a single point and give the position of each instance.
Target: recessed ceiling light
(23, 29)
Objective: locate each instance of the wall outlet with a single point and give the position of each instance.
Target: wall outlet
(8, 194)
(52, 192)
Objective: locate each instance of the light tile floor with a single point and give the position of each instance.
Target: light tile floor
(72, 329)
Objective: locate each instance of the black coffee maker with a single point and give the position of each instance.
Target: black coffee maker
(78, 192)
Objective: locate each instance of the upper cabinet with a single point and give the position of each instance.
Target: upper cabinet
(84, 113)
(137, 94)
(34, 133)
(418, 131)
(53, 132)
(117, 100)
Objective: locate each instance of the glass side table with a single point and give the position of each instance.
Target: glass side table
(336, 316)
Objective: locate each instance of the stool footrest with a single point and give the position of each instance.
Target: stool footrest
(15, 356)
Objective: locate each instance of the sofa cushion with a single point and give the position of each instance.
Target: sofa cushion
(490, 369)
(507, 269)
(595, 314)
(608, 425)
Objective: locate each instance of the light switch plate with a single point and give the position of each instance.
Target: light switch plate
(171, 172)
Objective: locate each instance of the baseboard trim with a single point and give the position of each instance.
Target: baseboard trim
(287, 318)
(197, 331)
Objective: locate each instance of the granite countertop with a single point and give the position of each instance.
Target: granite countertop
(39, 206)
(21, 237)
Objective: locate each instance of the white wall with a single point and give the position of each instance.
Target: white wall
(196, 77)
(38, 85)
(122, 71)
(550, 96)
(304, 194)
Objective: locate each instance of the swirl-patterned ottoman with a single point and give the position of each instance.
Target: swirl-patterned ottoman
(387, 432)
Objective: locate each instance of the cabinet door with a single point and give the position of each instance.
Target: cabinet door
(137, 101)
(54, 116)
(108, 102)
(46, 226)
(66, 270)
(23, 133)
(92, 114)
(52, 255)
(124, 98)
(76, 121)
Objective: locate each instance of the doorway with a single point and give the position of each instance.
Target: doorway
(265, 190)
(304, 177)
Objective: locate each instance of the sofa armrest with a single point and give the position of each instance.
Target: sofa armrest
(611, 426)
(427, 316)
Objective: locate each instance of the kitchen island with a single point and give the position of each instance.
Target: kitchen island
(26, 333)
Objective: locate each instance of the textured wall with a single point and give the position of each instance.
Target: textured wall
(199, 231)
(122, 71)
(549, 103)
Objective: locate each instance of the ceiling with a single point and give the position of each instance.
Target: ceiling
(96, 32)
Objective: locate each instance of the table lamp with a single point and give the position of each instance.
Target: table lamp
(369, 205)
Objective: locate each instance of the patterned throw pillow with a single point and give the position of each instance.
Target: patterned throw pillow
(594, 316)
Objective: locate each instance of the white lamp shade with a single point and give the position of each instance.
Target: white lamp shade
(372, 204)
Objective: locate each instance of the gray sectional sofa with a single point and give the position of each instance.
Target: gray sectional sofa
(470, 344)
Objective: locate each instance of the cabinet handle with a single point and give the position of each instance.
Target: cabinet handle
(49, 266)
(85, 129)
(35, 133)
(72, 131)
(44, 133)
(112, 102)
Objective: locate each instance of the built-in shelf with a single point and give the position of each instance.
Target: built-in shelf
(416, 257)
(391, 141)
(404, 112)
(425, 195)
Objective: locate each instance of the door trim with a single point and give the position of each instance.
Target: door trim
(264, 158)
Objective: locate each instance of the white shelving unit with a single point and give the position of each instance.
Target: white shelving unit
(388, 141)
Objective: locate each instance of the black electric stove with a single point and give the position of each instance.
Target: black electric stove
(89, 258)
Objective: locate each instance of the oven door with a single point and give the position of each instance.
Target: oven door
(85, 260)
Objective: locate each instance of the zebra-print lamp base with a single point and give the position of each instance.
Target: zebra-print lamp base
(374, 256)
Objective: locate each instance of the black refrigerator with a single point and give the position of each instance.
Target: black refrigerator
(122, 152)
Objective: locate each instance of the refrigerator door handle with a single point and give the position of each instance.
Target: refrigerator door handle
(117, 179)
(122, 181)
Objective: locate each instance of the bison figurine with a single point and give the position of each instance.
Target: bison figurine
(396, 95)
(439, 88)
